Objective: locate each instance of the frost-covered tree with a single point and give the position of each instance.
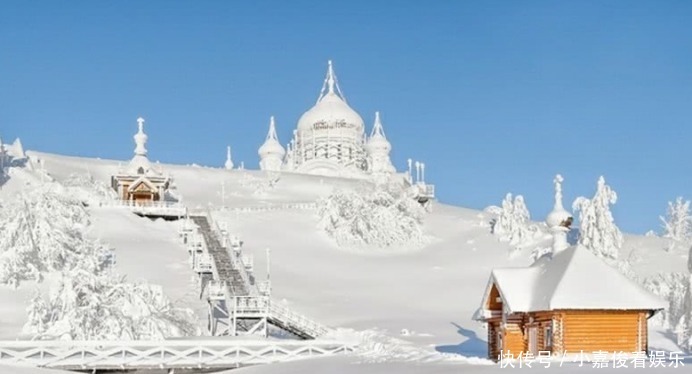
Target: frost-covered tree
(513, 222)
(677, 225)
(88, 189)
(597, 229)
(89, 304)
(384, 216)
(43, 230)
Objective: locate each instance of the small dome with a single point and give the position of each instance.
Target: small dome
(271, 147)
(559, 217)
(330, 112)
(378, 143)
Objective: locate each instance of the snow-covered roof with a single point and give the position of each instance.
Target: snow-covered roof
(572, 279)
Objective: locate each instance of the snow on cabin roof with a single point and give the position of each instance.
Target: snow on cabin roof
(573, 279)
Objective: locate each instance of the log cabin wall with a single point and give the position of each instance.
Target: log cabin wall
(612, 331)
(514, 341)
(493, 328)
(545, 332)
(644, 331)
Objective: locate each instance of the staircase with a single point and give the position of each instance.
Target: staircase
(243, 299)
(223, 264)
(295, 323)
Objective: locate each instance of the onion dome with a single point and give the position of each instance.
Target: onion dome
(271, 146)
(331, 110)
(378, 143)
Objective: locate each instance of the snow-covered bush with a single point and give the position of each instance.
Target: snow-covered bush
(260, 186)
(677, 225)
(597, 229)
(384, 216)
(512, 222)
(90, 190)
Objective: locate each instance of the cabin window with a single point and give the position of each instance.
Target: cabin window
(498, 340)
(548, 337)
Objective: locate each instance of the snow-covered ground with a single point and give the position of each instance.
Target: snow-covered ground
(414, 305)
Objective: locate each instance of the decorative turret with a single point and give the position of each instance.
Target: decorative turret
(229, 163)
(140, 163)
(559, 220)
(378, 148)
(271, 152)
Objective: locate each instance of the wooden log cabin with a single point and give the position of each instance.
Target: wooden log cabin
(568, 303)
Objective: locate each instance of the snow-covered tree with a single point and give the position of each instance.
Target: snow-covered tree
(677, 225)
(92, 304)
(513, 222)
(597, 229)
(383, 216)
(43, 231)
(90, 190)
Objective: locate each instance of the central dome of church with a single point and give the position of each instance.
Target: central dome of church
(331, 112)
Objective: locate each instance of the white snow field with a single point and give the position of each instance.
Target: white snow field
(412, 307)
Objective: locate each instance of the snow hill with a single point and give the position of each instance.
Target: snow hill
(413, 304)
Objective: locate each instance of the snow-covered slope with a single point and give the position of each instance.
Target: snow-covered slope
(424, 297)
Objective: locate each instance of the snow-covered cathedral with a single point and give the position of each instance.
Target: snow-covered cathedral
(330, 140)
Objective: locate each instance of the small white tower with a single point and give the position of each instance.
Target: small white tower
(559, 220)
(271, 153)
(378, 148)
(140, 163)
(229, 163)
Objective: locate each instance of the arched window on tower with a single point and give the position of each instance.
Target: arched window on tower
(140, 170)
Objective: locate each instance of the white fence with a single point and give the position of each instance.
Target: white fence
(266, 208)
(166, 354)
(159, 208)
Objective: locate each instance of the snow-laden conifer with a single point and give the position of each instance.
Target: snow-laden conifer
(677, 225)
(512, 222)
(45, 232)
(597, 229)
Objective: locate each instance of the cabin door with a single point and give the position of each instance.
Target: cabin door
(533, 340)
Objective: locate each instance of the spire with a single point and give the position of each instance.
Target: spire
(558, 192)
(331, 84)
(330, 77)
(559, 220)
(229, 163)
(377, 128)
(140, 138)
(272, 130)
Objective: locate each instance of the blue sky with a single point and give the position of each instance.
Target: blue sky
(494, 96)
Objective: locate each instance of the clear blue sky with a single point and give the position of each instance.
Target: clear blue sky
(495, 96)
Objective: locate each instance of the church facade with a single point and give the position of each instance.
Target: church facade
(330, 139)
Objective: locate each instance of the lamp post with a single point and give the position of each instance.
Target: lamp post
(422, 172)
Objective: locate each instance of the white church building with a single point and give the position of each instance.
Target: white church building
(330, 139)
